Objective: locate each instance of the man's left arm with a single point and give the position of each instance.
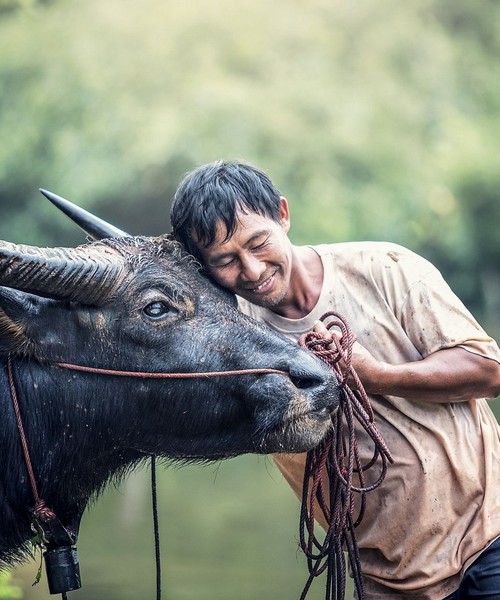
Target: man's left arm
(448, 375)
(460, 362)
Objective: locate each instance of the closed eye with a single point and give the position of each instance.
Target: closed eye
(254, 245)
(260, 246)
(226, 264)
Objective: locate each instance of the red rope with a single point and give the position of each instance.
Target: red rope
(41, 511)
(330, 469)
(146, 375)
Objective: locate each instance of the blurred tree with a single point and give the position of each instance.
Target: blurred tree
(377, 120)
(9, 591)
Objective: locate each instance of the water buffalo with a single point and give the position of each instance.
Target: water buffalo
(134, 304)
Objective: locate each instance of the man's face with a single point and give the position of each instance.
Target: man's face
(255, 263)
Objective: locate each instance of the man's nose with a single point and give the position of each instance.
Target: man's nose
(252, 268)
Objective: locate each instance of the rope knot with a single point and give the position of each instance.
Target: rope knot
(42, 512)
(335, 351)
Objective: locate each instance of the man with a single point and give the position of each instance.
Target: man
(432, 530)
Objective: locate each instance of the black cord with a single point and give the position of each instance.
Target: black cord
(156, 528)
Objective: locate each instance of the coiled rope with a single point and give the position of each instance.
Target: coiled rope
(331, 469)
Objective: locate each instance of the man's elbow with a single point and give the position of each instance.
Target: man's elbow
(491, 376)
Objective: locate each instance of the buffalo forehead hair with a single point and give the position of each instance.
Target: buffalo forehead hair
(136, 249)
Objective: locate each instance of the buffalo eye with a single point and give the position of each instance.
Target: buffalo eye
(157, 310)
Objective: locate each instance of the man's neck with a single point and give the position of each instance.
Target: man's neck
(306, 283)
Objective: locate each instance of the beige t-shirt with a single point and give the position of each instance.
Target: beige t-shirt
(439, 504)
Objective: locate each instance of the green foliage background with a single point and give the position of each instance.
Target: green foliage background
(377, 119)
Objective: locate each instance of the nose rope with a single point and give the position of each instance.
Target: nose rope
(167, 375)
(331, 467)
(41, 511)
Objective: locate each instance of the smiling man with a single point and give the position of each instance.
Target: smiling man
(431, 531)
(258, 263)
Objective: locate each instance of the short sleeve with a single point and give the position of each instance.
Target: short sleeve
(434, 318)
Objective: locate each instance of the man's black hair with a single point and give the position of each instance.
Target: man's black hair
(214, 193)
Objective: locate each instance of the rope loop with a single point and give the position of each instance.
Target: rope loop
(334, 471)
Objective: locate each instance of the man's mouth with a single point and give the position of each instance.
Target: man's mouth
(265, 286)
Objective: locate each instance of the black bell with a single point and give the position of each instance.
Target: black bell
(63, 571)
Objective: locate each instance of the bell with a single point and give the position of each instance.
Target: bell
(63, 570)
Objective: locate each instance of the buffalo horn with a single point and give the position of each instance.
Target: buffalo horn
(87, 274)
(94, 226)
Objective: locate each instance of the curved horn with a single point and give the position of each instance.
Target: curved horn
(97, 228)
(88, 274)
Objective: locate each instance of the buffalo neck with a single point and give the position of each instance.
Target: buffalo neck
(70, 449)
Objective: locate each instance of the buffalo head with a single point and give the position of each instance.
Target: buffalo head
(141, 304)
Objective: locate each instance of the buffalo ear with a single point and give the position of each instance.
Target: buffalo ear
(14, 338)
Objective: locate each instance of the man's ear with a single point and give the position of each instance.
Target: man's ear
(284, 214)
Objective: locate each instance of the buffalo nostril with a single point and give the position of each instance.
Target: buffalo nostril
(304, 383)
(307, 373)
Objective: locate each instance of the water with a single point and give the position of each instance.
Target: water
(227, 531)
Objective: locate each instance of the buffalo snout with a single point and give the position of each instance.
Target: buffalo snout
(316, 381)
(303, 401)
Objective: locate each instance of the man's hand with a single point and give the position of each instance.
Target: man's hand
(366, 366)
